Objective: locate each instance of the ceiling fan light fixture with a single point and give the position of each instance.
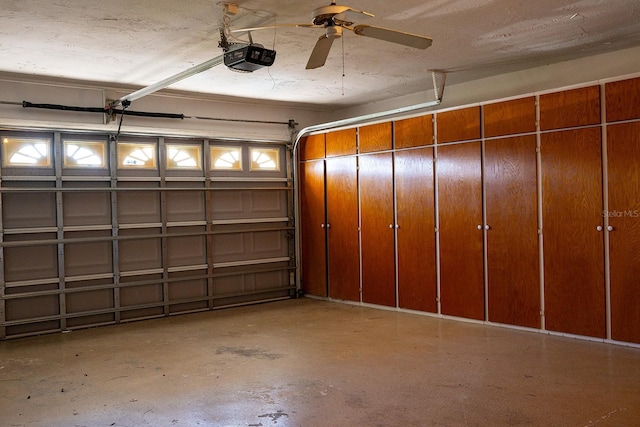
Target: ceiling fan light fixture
(333, 32)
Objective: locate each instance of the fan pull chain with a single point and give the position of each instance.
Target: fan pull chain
(342, 40)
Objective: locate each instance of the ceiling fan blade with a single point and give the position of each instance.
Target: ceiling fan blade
(393, 36)
(320, 52)
(268, 27)
(350, 16)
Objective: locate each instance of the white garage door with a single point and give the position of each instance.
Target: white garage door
(98, 232)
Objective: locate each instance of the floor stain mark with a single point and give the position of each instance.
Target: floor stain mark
(248, 352)
(274, 416)
(605, 417)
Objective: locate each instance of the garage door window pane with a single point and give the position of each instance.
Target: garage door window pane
(184, 157)
(226, 158)
(30, 152)
(265, 159)
(137, 156)
(89, 154)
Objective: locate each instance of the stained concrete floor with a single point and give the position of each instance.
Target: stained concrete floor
(315, 363)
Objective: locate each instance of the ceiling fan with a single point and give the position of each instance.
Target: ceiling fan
(334, 18)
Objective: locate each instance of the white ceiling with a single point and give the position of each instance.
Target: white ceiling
(139, 42)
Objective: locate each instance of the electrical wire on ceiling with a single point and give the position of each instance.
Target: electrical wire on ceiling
(343, 74)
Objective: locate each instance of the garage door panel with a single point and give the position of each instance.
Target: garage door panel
(228, 246)
(86, 208)
(269, 243)
(135, 207)
(141, 294)
(227, 203)
(229, 285)
(28, 210)
(185, 205)
(142, 313)
(271, 279)
(92, 300)
(249, 204)
(188, 250)
(33, 328)
(88, 258)
(140, 254)
(247, 281)
(187, 287)
(91, 320)
(249, 246)
(268, 204)
(30, 262)
(32, 307)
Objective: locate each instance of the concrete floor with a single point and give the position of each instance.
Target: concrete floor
(315, 363)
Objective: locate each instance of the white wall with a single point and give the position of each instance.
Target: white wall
(15, 89)
(18, 88)
(553, 76)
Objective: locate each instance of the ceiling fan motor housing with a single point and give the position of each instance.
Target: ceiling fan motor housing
(324, 15)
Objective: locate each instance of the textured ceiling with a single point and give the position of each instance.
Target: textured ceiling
(143, 41)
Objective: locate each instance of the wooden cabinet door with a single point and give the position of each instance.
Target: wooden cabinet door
(459, 175)
(377, 229)
(458, 125)
(341, 142)
(413, 132)
(569, 108)
(313, 228)
(623, 151)
(416, 243)
(375, 138)
(513, 261)
(312, 147)
(342, 229)
(573, 243)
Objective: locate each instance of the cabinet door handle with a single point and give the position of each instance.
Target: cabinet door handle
(390, 225)
(479, 227)
(610, 228)
(397, 225)
(486, 227)
(599, 228)
(328, 225)
(321, 225)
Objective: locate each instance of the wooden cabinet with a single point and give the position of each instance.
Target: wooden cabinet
(415, 213)
(375, 138)
(573, 232)
(570, 108)
(313, 228)
(342, 228)
(498, 204)
(458, 125)
(341, 142)
(623, 214)
(513, 267)
(459, 175)
(377, 229)
(312, 147)
(413, 132)
(510, 117)
(623, 100)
